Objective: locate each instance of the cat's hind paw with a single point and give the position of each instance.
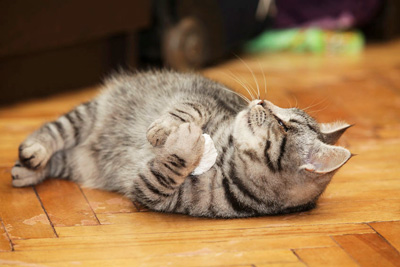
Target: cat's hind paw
(33, 155)
(22, 176)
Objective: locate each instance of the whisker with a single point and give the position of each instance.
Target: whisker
(249, 91)
(249, 86)
(289, 102)
(239, 95)
(297, 103)
(236, 93)
(313, 105)
(242, 84)
(317, 111)
(252, 73)
(265, 80)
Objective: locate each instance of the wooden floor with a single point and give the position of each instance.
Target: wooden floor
(357, 221)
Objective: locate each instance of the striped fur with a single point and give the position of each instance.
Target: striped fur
(143, 137)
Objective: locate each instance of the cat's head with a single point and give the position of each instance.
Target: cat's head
(290, 148)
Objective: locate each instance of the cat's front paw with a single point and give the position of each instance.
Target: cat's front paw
(33, 155)
(159, 131)
(187, 142)
(22, 176)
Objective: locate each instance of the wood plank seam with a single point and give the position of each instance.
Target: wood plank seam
(383, 221)
(243, 228)
(298, 257)
(90, 206)
(369, 249)
(7, 235)
(351, 257)
(383, 238)
(45, 211)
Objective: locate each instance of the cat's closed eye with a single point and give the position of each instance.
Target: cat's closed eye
(282, 124)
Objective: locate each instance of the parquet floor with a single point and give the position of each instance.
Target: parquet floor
(357, 221)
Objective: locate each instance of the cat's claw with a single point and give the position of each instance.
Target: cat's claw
(33, 155)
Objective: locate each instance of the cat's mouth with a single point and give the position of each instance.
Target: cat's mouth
(258, 115)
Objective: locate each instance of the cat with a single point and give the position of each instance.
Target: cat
(142, 137)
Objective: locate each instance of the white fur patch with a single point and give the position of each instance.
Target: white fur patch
(209, 156)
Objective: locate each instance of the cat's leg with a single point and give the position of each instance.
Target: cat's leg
(175, 161)
(65, 132)
(57, 166)
(186, 112)
(76, 164)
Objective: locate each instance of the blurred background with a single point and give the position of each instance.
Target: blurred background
(49, 46)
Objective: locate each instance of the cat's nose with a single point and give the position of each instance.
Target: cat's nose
(262, 103)
(268, 104)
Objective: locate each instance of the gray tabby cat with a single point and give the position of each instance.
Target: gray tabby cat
(143, 137)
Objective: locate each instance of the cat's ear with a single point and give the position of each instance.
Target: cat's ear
(323, 158)
(331, 132)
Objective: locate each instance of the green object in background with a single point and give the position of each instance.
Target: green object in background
(307, 40)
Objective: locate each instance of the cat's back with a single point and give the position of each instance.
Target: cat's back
(163, 84)
(147, 95)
